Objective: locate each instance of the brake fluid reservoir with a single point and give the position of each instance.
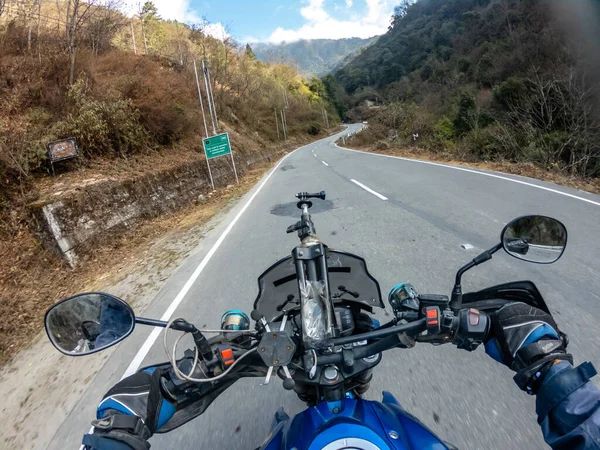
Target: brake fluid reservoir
(235, 320)
(403, 296)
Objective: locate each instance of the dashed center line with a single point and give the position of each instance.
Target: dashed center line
(368, 189)
(325, 163)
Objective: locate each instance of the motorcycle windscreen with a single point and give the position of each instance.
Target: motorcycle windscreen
(280, 281)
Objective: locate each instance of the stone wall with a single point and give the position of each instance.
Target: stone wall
(74, 222)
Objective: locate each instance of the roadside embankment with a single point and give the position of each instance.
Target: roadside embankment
(75, 225)
(514, 168)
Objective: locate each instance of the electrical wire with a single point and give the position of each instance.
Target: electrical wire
(172, 356)
(227, 331)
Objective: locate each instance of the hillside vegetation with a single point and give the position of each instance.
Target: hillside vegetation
(69, 69)
(505, 80)
(315, 57)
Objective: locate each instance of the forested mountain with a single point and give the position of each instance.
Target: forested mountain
(311, 57)
(485, 79)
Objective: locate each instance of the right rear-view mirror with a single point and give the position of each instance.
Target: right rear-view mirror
(537, 239)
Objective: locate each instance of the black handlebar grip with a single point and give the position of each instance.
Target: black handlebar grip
(288, 384)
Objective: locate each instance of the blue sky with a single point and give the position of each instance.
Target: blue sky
(283, 20)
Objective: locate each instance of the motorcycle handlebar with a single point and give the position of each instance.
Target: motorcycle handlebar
(415, 327)
(467, 330)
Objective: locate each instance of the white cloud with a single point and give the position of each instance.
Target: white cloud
(181, 11)
(319, 25)
(314, 12)
(216, 30)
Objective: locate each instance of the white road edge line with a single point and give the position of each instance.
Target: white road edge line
(368, 189)
(142, 352)
(150, 340)
(325, 163)
(477, 172)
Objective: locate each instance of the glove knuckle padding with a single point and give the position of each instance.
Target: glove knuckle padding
(530, 342)
(139, 393)
(514, 323)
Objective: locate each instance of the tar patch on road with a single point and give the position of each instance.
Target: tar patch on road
(288, 167)
(291, 210)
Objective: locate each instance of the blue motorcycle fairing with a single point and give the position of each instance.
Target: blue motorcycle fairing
(370, 421)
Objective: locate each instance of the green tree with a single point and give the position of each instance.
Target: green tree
(250, 54)
(466, 117)
(152, 30)
(317, 87)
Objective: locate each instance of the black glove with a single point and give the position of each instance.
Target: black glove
(527, 340)
(131, 411)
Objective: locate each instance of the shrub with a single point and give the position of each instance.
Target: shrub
(466, 115)
(444, 129)
(313, 128)
(102, 127)
(382, 145)
(23, 142)
(480, 144)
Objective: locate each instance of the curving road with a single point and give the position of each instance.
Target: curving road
(409, 220)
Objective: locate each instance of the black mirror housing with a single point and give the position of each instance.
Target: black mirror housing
(537, 239)
(88, 323)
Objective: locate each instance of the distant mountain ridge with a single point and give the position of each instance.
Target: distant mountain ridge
(315, 57)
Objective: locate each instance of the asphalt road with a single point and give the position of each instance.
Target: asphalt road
(413, 235)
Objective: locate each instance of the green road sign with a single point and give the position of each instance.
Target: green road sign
(216, 146)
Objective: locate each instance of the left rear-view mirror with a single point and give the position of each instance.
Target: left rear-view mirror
(88, 323)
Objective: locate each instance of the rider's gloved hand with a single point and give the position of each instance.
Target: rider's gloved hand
(527, 340)
(130, 413)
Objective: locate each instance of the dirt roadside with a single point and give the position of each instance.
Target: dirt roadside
(36, 397)
(523, 169)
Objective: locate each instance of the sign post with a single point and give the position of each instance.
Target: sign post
(216, 146)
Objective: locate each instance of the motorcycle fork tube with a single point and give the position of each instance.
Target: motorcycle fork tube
(324, 275)
(311, 265)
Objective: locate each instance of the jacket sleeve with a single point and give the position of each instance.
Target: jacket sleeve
(568, 408)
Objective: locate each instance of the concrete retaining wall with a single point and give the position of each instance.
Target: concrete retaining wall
(74, 223)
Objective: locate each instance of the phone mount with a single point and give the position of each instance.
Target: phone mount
(304, 196)
(305, 226)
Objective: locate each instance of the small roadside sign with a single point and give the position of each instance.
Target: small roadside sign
(61, 150)
(216, 146)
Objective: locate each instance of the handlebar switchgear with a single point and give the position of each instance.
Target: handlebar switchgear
(472, 327)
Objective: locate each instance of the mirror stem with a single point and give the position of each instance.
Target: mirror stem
(178, 325)
(151, 322)
(456, 298)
